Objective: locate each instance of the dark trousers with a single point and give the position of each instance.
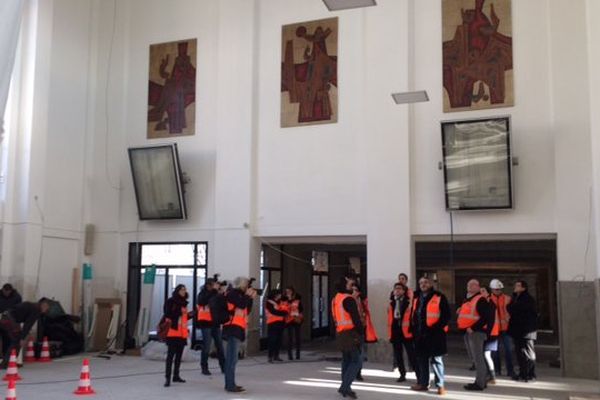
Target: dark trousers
(399, 356)
(175, 351)
(10, 331)
(424, 362)
(504, 341)
(525, 349)
(351, 364)
(274, 338)
(210, 335)
(293, 340)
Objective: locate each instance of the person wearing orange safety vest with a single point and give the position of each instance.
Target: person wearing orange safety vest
(239, 303)
(369, 335)
(276, 312)
(474, 319)
(294, 321)
(208, 324)
(493, 331)
(399, 313)
(502, 301)
(176, 312)
(349, 331)
(429, 325)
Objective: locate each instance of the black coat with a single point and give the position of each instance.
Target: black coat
(173, 309)
(430, 341)
(9, 302)
(397, 334)
(523, 316)
(204, 299)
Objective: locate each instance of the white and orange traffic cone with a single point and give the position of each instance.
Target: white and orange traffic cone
(11, 390)
(85, 383)
(45, 355)
(12, 372)
(30, 354)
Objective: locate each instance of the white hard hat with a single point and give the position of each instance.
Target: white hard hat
(496, 284)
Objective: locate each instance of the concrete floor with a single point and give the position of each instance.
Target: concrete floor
(132, 378)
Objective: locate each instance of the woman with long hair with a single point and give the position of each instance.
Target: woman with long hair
(176, 312)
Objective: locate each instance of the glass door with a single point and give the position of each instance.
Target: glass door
(320, 304)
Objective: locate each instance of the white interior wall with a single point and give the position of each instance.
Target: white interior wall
(361, 176)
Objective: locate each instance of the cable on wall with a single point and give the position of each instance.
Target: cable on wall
(106, 89)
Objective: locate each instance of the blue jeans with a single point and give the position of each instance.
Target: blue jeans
(351, 364)
(231, 358)
(505, 341)
(208, 335)
(437, 365)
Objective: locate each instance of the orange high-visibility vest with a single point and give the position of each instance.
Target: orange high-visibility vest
(496, 328)
(182, 329)
(342, 318)
(405, 322)
(370, 333)
(272, 318)
(501, 303)
(294, 311)
(467, 314)
(204, 314)
(433, 311)
(239, 317)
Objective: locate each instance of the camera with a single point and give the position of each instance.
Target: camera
(258, 291)
(221, 283)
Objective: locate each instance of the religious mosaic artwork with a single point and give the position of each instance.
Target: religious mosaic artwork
(309, 87)
(172, 89)
(478, 54)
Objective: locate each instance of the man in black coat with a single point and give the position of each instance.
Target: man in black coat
(523, 329)
(429, 334)
(400, 304)
(210, 327)
(9, 297)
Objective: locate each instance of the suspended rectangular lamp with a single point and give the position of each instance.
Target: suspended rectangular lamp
(337, 5)
(410, 97)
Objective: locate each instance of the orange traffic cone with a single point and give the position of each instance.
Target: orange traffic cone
(30, 354)
(45, 355)
(85, 383)
(11, 390)
(12, 372)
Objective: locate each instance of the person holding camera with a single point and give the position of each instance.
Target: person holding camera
(209, 323)
(276, 312)
(293, 321)
(239, 303)
(349, 331)
(176, 315)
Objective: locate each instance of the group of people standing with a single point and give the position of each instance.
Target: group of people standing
(418, 323)
(222, 315)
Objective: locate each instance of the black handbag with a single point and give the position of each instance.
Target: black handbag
(348, 340)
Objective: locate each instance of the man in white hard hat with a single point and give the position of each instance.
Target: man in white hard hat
(502, 301)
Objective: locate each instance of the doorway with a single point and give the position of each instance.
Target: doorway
(175, 263)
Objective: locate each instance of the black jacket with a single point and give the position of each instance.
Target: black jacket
(397, 334)
(9, 302)
(240, 300)
(173, 309)
(280, 313)
(430, 341)
(204, 298)
(218, 309)
(523, 316)
(26, 313)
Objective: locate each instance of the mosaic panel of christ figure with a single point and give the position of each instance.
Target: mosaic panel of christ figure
(478, 54)
(309, 93)
(172, 89)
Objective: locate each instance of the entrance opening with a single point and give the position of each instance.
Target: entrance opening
(451, 265)
(175, 263)
(312, 270)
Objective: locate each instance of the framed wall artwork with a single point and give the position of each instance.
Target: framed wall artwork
(477, 164)
(309, 83)
(172, 89)
(477, 54)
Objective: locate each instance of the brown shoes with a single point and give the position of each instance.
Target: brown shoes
(418, 388)
(442, 391)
